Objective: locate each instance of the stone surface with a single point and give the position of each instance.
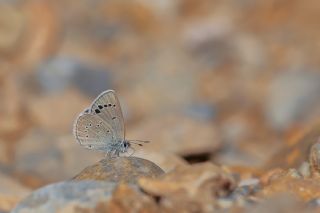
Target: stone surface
(126, 199)
(296, 151)
(11, 192)
(165, 160)
(120, 169)
(66, 197)
(314, 159)
(292, 182)
(192, 188)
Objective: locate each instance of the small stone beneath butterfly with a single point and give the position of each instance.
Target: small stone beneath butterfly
(120, 169)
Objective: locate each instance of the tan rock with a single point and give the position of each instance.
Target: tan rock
(314, 159)
(11, 192)
(305, 189)
(167, 161)
(125, 199)
(120, 169)
(191, 187)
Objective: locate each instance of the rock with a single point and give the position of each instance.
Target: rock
(66, 197)
(279, 203)
(187, 136)
(314, 159)
(60, 154)
(126, 199)
(165, 160)
(120, 169)
(291, 97)
(192, 188)
(11, 192)
(289, 182)
(296, 151)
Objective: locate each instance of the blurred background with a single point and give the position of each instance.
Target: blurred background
(227, 81)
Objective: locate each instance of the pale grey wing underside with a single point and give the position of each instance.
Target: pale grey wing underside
(93, 132)
(107, 107)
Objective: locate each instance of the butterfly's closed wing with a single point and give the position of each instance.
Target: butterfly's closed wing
(93, 132)
(107, 107)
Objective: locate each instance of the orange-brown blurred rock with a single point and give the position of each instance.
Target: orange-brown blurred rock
(292, 182)
(120, 169)
(314, 159)
(165, 160)
(283, 202)
(193, 187)
(294, 154)
(11, 192)
(125, 199)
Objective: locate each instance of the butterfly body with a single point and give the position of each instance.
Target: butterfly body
(101, 126)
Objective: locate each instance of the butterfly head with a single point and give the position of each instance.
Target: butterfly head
(125, 146)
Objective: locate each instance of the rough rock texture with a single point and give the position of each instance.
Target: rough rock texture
(66, 197)
(120, 169)
(296, 151)
(193, 188)
(305, 189)
(166, 160)
(127, 199)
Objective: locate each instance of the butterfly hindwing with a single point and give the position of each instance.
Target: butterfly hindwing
(93, 132)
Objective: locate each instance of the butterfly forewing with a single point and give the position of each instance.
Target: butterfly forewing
(93, 132)
(107, 107)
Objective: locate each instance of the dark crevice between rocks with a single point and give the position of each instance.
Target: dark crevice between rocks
(198, 158)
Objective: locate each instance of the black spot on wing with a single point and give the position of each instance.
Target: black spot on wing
(114, 118)
(97, 111)
(100, 106)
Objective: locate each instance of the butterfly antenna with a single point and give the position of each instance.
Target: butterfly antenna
(135, 143)
(140, 141)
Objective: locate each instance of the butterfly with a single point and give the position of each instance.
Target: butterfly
(101, 126)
